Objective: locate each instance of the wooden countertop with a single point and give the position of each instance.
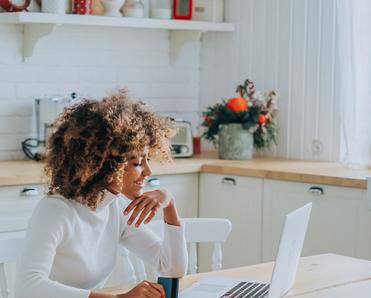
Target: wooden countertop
(330, 173)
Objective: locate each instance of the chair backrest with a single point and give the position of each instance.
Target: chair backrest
(132, 269)
(197, 230)
(10, 250)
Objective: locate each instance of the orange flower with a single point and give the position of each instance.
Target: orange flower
(261, 119)
(237, 104)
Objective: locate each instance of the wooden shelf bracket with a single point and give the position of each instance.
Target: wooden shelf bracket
(32, 34)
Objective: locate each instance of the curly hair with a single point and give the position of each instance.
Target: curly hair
(92, 140)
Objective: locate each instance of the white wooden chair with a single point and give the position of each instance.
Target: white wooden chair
(10, 250)
(197, 230)
(131, 268)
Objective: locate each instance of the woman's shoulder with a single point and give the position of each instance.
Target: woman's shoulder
(54, 204)
(52, 214)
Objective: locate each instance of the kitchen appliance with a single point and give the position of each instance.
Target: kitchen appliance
(182, 142)
(47, 110)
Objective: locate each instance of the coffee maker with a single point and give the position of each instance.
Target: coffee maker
(47, 110)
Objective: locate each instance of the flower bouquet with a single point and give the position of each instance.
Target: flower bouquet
(252, 113)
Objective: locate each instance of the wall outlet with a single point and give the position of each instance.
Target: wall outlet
(317, 147)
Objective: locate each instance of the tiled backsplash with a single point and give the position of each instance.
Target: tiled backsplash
(92, 61)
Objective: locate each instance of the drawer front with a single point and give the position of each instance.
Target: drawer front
(184, 187)
(339, 221)
(17, 204)
(22, 192)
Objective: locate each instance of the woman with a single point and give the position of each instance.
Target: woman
(97, 163)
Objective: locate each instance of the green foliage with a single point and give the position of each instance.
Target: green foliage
(265, 139)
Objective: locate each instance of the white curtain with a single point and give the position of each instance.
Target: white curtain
(354, 53)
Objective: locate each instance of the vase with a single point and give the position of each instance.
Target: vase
(234, 142)
(133, 9)
(112, 7)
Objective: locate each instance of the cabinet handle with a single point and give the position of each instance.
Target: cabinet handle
(29, 192)
(316, 190)
(154, 182)
(229, 180)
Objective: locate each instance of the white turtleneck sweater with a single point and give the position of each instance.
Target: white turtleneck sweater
(71, 250)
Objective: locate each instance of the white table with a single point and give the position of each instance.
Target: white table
(320, 276)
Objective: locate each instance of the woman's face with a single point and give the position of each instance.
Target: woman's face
(136, 171)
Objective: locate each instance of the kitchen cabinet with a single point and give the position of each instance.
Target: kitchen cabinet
(340, 220)
(339, 223)
(16, 206)
(184, 187)
(238, 199)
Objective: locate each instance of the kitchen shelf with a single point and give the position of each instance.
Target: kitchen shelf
(38, 25)
(89, 20)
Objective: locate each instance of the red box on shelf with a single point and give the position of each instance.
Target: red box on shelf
(182, 9)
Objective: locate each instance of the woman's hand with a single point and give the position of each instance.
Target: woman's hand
(145, 289)
(147, 205)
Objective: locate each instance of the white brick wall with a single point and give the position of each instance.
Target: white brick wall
(92, 61)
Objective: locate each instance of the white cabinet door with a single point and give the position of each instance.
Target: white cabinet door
(339, 221)
(239, 200)
(184, 187)
(10, 268)
(17, 204)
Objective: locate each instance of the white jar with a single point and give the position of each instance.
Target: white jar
(133, 9)
(161, 9)
(54, 6)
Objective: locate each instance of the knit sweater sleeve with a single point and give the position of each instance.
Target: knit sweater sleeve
(48, 226)
(168, 256)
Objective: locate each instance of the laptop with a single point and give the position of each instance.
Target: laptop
(284, 272)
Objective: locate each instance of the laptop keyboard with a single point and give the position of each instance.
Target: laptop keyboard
(247, 290)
